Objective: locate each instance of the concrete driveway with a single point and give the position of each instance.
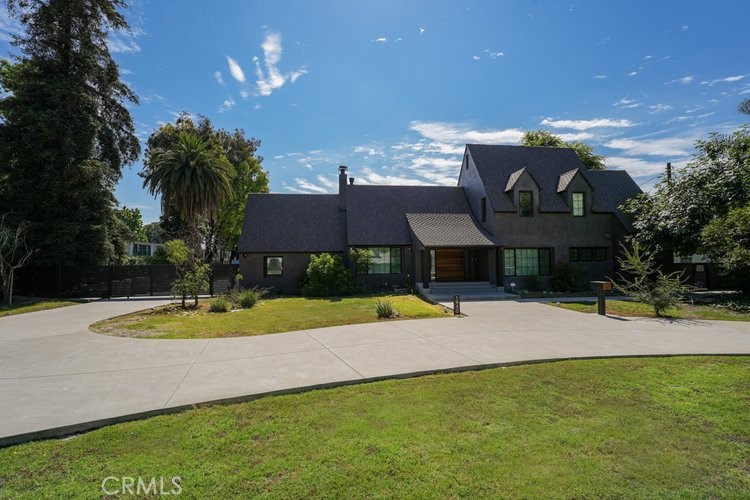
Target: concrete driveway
(56, 377)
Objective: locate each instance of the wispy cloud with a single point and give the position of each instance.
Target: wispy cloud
(587, 124)
(685, 80)
(658, 108)
(381, 39)
(475, 58)
(271, 78)
(492, 54)
(219, 78)
(627, 103)
(728, 79)
(121, 43)
(9, 27)
(460, 133)
(307, 186)
(667, 147)
(637, 167)
(599, 77)
(235, 70)
(227, 105)
(632, 73)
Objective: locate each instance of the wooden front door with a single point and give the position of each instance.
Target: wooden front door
(449, 265)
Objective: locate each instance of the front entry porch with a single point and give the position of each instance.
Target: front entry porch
(457, 265)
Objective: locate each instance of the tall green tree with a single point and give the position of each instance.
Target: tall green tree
(133, 219)
(744, 107)
(672, 217)
(545, 138)
(727, 240)
(191, 178)
(247, 176)
(65, 131)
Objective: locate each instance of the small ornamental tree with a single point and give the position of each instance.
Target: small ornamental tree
(14, 252)
(326, 276)
(178, 255)
(361, 258)
(647, 283)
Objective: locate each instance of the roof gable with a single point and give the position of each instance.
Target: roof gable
(448, 230)
(551, 168)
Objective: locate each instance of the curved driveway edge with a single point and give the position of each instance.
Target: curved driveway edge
(57, 378)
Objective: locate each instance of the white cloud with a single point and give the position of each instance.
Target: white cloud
(599, 77)
(327, 183)
(458, 133)
(685, 80)
(636, 167)
(587, 124)
(227, 105)
(120, 44)
(684, 27)
(627, 103)
(9, 27)
(306, 186)
(294, 75)
(475, 58)
(219, 78)
(421, 30)
(668, 147)
(235, 70)
(369, 176)
(578, 136)
(382, 39)
(272, 79)
(658, 108)
(729, 79)
(493, 55)
(632, 73)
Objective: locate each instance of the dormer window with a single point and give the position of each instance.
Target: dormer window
(525, 203)
(579, 204)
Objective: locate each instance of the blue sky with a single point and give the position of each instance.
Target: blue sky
(394, 89)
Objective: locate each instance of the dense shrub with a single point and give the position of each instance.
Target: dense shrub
(326, 276)
(219, 304)
(564, 278)
(385, 309)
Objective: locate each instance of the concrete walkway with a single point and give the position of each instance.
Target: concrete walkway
(56, 377)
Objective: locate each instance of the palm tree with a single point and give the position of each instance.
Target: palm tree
(191, 177)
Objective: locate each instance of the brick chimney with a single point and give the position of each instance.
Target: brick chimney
(342, 187)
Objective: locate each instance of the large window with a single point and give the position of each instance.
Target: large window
(525, 203)
(528, 262)
(273, 266)
(385, 260)
(579, 204)
(141, 250)
(587, 254)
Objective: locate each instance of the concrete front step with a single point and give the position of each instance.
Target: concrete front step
(442, 292)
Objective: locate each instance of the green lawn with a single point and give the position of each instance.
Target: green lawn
(629, 308)
(268, 316)
(618, 428)
(30, 304)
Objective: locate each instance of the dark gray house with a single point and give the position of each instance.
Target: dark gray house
(516, 213)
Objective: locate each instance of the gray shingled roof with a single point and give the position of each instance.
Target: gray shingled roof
(551, 168)
(495, 165)
(565, 179)
(448, 230)
(376, 215)
(513, 179)
(293, 223)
